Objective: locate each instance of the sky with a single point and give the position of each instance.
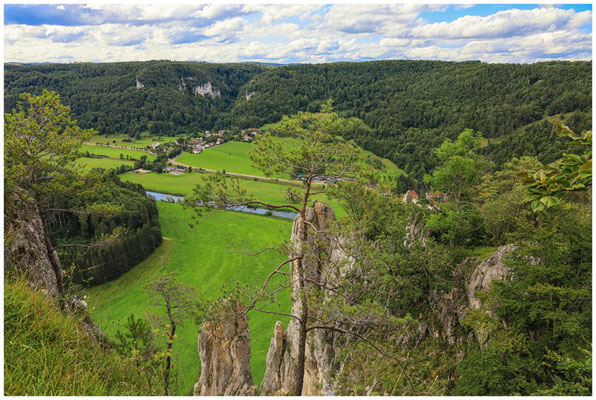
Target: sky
(282, 34)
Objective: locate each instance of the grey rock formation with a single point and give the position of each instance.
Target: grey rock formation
(249, 95)
(24, 244)
(207, 89)
(321, 345)
(493, 268)
(140, 85)
(224, 349)
(451, 308)
(416, 231)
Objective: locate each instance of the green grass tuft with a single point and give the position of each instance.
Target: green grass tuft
(46, 354)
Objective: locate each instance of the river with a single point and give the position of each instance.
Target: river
(259, 211)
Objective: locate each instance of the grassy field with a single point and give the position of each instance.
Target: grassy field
(235, 157)
(230, 156)
(143, 142)
(183, 185)
(46, 355)
(115, 152)
(203, 259)
(86, 164)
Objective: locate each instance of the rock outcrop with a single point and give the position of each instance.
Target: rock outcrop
(321, 345)
(493, 268)
(25, 247)
(224, 349)
(207, 89)
(140, 85)
(451, 308)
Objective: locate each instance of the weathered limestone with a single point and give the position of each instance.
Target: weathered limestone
(224, 349)
(24, 244)
(321, 345)
(493, 268)
(207, 89)
(451, 309)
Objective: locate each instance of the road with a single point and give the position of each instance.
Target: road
(174, 161)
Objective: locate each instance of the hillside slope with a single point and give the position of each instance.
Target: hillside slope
(410, 106)
(46, 353)
(131, 97)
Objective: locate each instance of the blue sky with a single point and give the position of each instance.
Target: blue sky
(296, 33)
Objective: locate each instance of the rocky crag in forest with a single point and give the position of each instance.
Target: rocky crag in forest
(224, 348)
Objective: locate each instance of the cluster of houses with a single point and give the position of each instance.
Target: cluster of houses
(248, 135)
(198, 145)
(412, 196)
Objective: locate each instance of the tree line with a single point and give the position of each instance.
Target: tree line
(101, 247)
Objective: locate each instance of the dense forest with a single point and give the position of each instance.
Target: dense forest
(107, 98)
(409, 107)
(122, 237)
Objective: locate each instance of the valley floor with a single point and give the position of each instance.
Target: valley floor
(204, 258)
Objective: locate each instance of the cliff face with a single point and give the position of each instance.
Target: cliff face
(321, 345)
(451, 308)
(26, 250)
(207, 89)
(25, 247)
(224, 349)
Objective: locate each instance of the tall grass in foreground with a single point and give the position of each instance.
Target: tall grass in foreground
(47, 354)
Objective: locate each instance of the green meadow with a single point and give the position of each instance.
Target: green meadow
(202, 258)
(235, 157)
(230, 156)
(143, 142)
(113, 152)
(86, 164)
(183, 185)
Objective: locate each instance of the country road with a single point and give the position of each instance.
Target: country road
(174, 161)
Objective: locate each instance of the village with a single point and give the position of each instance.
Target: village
(206, 140)
(168, 151)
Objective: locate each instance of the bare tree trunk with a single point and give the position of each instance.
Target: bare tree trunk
(301, 349)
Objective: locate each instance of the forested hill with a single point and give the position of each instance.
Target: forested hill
(410, 106)
(132, 97)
